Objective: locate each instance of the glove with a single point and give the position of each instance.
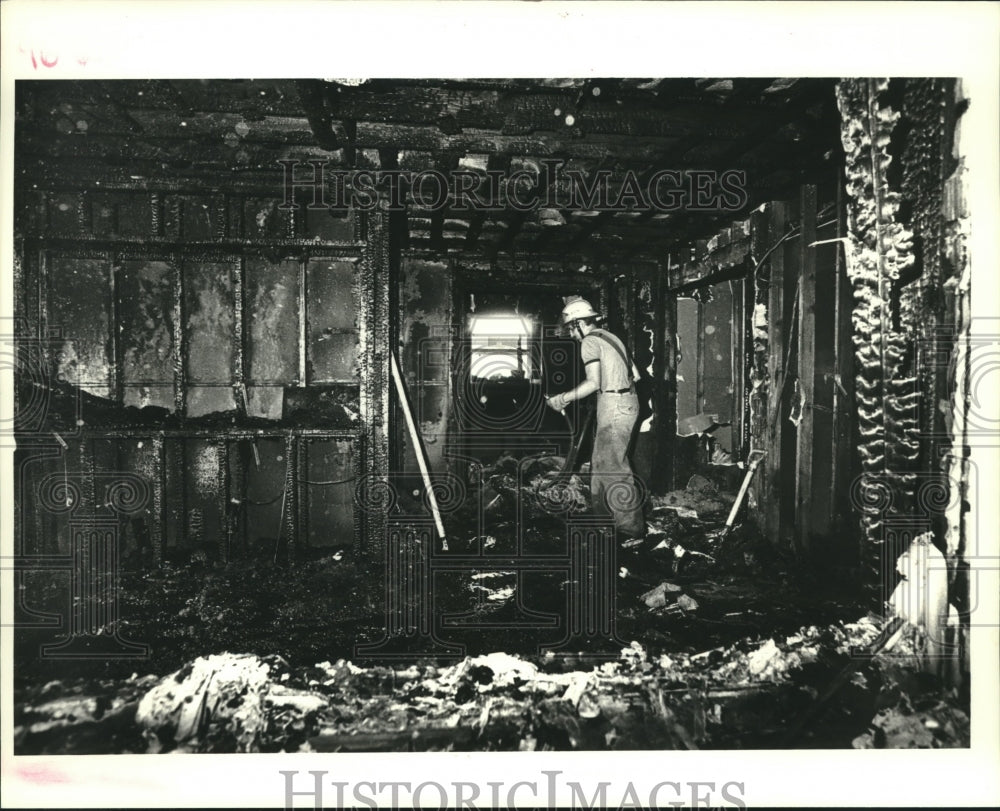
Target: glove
(556, 402)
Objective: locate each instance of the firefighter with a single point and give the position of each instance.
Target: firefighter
(612, 376)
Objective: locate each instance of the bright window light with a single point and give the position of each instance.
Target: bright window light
(500, 346)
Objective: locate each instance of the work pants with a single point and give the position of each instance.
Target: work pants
(614, 490)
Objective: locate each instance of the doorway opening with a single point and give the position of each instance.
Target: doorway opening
(511, 354)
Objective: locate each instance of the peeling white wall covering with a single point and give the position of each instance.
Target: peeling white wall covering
(878, 250)
(955, 461)
(910, 273)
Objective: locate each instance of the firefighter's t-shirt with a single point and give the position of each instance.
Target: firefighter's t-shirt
(597, 347)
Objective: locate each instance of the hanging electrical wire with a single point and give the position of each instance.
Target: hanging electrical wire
(792, 232)
(255, 503)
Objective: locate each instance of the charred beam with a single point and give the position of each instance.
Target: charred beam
(314, 101)
(597, 223)
(445, 166)
(496, 163)
(515, 222)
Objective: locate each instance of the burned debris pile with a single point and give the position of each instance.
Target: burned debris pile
(726, 651)
(744, 696)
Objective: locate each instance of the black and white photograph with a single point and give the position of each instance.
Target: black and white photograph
(552, 413)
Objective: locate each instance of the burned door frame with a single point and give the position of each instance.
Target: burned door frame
(467, 281)
(741, 310)
(794, 394)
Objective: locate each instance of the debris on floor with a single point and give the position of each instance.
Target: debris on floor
(738, 696)
(701, 496)
(730, 648)
(657, 597)
(213, 702)
(81, 716)
(539, 481)
(937, 724)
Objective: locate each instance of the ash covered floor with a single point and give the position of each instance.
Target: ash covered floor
(729, 646)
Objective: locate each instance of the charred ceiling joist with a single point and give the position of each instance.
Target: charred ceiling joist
(81, 133)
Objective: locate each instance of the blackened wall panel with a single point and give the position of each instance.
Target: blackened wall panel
(142, 530)
(174, 495)
(145, 316)
(687, 366)
(425, 302)
(204, 524)
(329, 492)
(272, 312)
(209, 332)
(79, 308)
(64, 213)
(718, 358)
(332, 321)
(262, 492)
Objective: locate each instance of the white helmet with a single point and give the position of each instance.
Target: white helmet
(577, 308)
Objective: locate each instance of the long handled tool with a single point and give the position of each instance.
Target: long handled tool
(418, 447)
(576, 442)
(565, 416)
(753, 462)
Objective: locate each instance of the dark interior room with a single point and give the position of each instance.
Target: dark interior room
(491, 414)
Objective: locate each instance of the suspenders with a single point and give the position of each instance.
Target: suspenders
(629, 366)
